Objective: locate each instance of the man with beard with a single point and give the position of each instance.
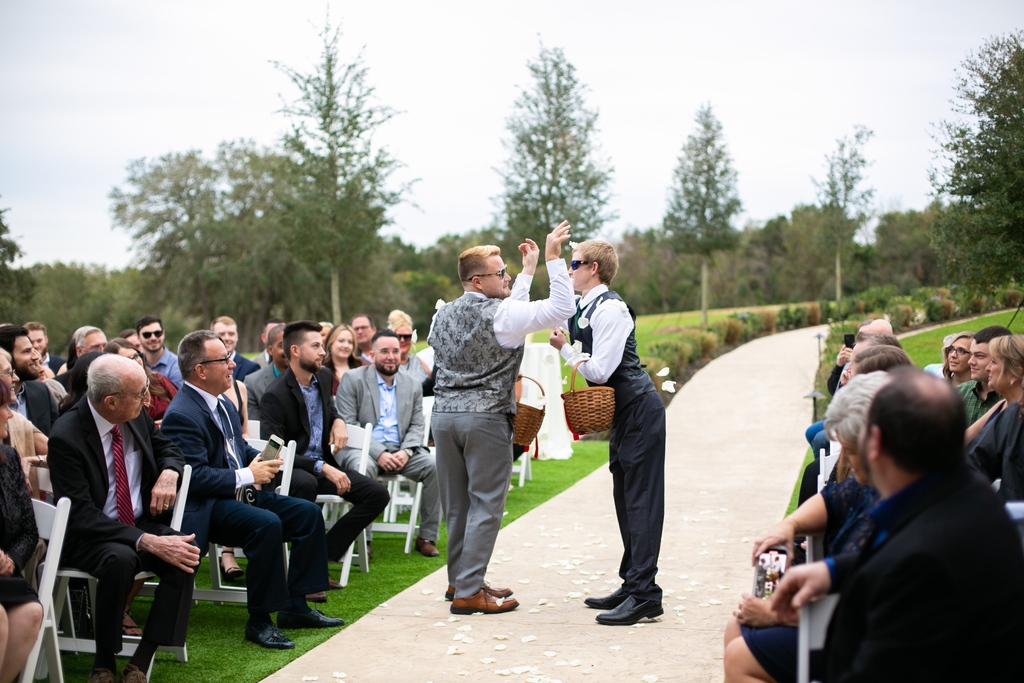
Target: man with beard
(393, 402)
(298, 406)
(32, 398)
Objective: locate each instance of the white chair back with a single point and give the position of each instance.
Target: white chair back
(428, 410)
(254, 428)
(43, 477)
(359, 437)
(814, 619)
(52, 522)
(179, 500)
(288, 456)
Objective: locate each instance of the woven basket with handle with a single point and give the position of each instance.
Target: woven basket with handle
(588, 410)
(527, 420)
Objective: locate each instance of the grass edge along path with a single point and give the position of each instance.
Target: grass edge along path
(216, 648)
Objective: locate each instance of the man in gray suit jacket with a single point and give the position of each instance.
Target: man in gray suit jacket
(256, 383)
(393, 402)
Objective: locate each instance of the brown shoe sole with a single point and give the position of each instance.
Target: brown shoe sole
(506, 606)
(449, 594)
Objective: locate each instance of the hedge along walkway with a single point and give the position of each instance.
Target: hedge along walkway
(735, 439)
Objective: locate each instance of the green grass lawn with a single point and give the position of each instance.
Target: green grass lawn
(216, 648)
(926, 348)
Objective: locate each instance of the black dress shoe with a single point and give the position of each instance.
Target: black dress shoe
(631, 611)
(267, 636)
(609, 601)
(314, 618)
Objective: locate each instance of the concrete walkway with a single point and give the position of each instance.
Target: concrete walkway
(735, 442)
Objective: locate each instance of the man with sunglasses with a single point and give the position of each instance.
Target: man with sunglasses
(159, 358)
(603, 327)
(478, 346)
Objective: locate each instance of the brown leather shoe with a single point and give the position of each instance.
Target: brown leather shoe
(132, 674)
(484, 603)
(317, 597)
(101, 676)
(334, 585)
(426, 548)
(449, 594)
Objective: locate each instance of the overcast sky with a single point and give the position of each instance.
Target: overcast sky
(85, 87)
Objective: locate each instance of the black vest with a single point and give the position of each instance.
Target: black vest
(629, 379)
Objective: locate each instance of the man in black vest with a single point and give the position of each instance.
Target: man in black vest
(603, 328)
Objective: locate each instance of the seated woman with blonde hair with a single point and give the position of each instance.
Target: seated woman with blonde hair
(401, 324)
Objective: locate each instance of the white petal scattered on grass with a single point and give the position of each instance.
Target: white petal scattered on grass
(428, 591)
(340, 674)
(465, 629)
(744, 540)
(722, 588)
(680, 621)
(487, 660)
(533, 610)
(668, 386)
(549, 653)
(679, 608)
(384, 605)
(712, 601)
(440, 623)
(500, 646)
(524, 581)
(615, 648)
(503, 672)
(650, 678)
(417, 614)
(527, 545)
(664, 371)
(453, 619)
(455, 650)
(528, 639)
(458, 636)
(439, 598)
(467, 640)
(543, 601)
(499, 636)
(575, 662)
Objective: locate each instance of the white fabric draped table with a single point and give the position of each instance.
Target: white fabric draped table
(542, 363)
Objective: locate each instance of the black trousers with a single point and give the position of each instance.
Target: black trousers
(260, 530)
(115, 565)
(637, 462)
(368, 497)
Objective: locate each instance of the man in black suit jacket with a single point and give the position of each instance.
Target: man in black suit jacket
(206, 427)
(116, 531)
(299, 406)
(32, 398)
(937, 592)
(227, 329)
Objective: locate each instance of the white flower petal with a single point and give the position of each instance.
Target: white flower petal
(650, 678)
(528, 639)
(499, 636)
(549, 653)
(428, 591)
(668, 386)
(438, 304)
(310, 678)
(487, 660)
(500, 646)
(455, 650)
(340, 674)
(664, 371)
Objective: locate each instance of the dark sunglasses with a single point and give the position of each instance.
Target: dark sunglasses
(405, 337)
(500, 273)
(155, 333)
(574, 264)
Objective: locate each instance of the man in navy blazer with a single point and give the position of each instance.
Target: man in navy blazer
(936, 594)
(206, 427)
(121, 475)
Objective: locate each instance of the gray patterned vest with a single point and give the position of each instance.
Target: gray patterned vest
(473, 373)
(629, 379)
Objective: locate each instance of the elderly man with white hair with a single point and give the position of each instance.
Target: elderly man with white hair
(122, 475)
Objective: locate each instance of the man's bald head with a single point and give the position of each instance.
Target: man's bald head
(921, 420)
(879, 326)
(118, 388)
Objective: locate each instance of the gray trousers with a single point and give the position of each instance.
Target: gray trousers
(474, 464)
(421, 467)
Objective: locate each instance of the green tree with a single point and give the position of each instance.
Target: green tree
(903, 241)
(980, 236)
(343, 196)
(841, 197)
(703, 200)
(554, 172)
(16, 284)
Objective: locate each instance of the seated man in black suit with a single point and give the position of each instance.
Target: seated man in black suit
(299, 406)
(206, 427)
(121, 475)
(41, 343)
(936, 595)
(31, 398)
(227, 329)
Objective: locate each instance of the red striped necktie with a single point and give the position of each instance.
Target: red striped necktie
(123, 495)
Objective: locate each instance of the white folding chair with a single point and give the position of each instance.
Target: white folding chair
(814, 619)
(827, 462)
(220, 592)
(71, 641)
(400, 498)
(52, 523)
(254, 428)
(335, 506)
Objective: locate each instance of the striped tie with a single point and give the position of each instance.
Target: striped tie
(125, 510)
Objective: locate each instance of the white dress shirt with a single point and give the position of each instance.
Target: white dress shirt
(517, 316)
(132, 463)
(243, 476)
(611, 324)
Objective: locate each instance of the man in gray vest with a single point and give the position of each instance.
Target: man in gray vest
(478, 346)
(603, 324)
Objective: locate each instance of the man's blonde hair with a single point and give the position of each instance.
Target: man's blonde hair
(603, 254)
(223, 320)
(473, 261)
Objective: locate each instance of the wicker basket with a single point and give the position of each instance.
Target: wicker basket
(527, 420)
(588, 410)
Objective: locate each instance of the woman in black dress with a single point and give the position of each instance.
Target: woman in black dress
(20, 611)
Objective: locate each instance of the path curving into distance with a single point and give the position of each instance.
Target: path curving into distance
(735, 443)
